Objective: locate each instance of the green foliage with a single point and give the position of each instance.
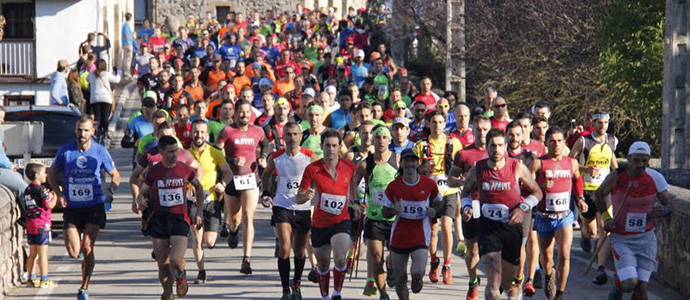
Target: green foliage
(631, 68)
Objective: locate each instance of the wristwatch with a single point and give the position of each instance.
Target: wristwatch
(524, 207)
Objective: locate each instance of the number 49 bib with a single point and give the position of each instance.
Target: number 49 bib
(332, 204)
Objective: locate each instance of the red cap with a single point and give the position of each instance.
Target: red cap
(143, 44)
(350, 39)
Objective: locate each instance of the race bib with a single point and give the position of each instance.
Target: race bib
(414, 210)
(599, 178)
(441, 182)
(332, 204)
(245, 182)
(496, 212)
(170, 197)
(636, 222)
(80, 192)
(558, 201)
(291, 184)
(378, 196)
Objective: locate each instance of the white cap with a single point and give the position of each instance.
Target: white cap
(310, 92)
(640, 147)
(359, 53)
(330, 88)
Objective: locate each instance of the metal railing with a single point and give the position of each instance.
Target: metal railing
(18, 58)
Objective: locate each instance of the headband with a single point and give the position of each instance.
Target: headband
(383, 131)
(597, 116)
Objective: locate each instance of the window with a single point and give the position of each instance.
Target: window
(16, 100)
(20, 20)
(222, 12)
(141, 11)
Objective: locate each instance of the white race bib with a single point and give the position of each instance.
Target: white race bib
(636, 222)
(414, 210)
(441, 182)
(599, 178)
(378, 196)
(557, 201)
(332, 204)
(496, 212)
(170, 197)
(80, 192)
(292, 183)
(244, 182)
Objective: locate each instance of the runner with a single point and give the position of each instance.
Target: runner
(497, 180)
(401, 130)
(465, 160)
(276, 124)
(211, 159)
(558, 176)
(465, 135)
(595, 153)
(413, 200)
(76, 176)
(634, 190)
(436, 153)
(241, 141)
(164, 190)
(325, 182)
(311, 138)
(227, 111)
(377, 170)
(292, 222)
(536, 147)
(515, 134)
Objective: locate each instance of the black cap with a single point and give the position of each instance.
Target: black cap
(148, 101)
(408, 153)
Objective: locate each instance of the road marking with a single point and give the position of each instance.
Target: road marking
(44, 293)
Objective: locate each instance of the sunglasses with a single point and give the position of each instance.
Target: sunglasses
(401, 108)
(421, 110)
(443, 105)
(500, 105)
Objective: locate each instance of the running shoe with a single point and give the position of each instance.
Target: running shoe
(615, 294)
(233, 239)
(35, 282)
(586, 245)
(550, 288)
(558, 297)
(201, 277)
(82, 294)
(461, 249)
(296, 291)
(528, 290)
(182, 286)
(47, 283)
(390, 279)
(224, 231)
(514, 290)
(168, 297)
(473, 290)
(312, 276)
(370, 289)
(337, 298)
(286, 296)
(447, 276)
(433, 272)
(417, 285)
(538, 283)
(600, 278)
(384, 296)
(246, 268)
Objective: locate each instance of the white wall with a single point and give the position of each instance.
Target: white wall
(40, 90)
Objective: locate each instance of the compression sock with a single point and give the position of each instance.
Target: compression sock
(324, 281)
(446, 262)
(284, 270)
(338, 278)
(299, 268)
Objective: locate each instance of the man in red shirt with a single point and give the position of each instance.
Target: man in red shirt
(497, 180)
(325, 182)
(536, 147)
(183, 127)
(165, 190)
(501, 118)
(425, 95)
(462, 130)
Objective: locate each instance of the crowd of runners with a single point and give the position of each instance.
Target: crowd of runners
(307, 113)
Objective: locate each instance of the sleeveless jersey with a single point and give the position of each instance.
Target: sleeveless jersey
(169, 188)
(411, 228)
(498, 189)
(466, 138)
(526, 157)
(467, 158)
(500, 124)
(596, 154)
(331, 194)
(535, 147)
(242, 143)
(636, 215)
(290, 170)
(357, 157)
(381, 175)
(312, 142)
(555, 178)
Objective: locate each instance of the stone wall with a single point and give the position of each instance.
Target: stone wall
(674, 245)
(11, 235)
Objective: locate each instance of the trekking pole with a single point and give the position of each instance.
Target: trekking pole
(606, 236)
(355, 251)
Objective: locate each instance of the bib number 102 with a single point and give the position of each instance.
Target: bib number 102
(333, 204)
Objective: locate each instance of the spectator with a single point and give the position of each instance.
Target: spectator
(76, 96)
(59, 95)
(8, 176)
(102, 96)
(127, 46)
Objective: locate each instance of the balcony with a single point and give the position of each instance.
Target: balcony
(17, 60)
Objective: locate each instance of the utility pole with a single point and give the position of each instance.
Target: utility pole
(455, 47)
